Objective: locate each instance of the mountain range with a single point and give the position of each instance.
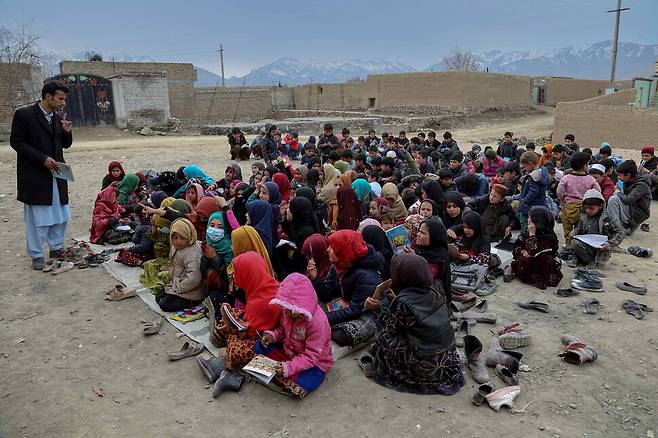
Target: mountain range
(589, 62)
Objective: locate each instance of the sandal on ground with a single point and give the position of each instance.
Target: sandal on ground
(514, 327)
(638, 251)
(153, 327)
(365, 363)
(534, 305)
(188, 349)
(591, 306)
(633, 308)
(640, 290)
(120, 292)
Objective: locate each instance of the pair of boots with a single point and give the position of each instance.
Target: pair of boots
(575, 352)
(215, 371)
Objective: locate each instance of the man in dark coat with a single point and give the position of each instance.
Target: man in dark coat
(38, 135)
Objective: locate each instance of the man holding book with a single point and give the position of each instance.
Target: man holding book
(39, 136)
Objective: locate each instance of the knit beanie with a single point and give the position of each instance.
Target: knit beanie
(500, 189)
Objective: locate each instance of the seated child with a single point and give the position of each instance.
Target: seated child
(497, 214)
(115, 173)
(471, 241)
(414, 350)
(301, 343)
(593, 220)
(535, 250)
(629, 208)
(142, 250)
(607, 185)
(185, 289)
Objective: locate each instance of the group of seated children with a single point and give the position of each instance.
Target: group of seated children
(297, 251)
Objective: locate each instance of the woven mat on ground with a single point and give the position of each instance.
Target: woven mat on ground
(199, 330)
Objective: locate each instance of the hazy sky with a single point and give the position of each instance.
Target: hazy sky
(256, 33)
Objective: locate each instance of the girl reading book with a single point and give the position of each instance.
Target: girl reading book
(353, 276)
(535, 252)
(302, 341)
(414, 350)
(471, 241)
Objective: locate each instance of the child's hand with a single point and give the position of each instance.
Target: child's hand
(372, 304)
(452, 235)
(148, 210)
(266, 339)
(278, 367)
(209, 252)
(408, 249)
(525, 253)
(311, 270)
(508, 231)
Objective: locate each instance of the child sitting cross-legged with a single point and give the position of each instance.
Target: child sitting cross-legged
(302, 341)
(593, 220)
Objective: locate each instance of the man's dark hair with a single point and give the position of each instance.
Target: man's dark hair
(376, 161)
(513, 167)
(579, 160)
(628, 167)
(360, 157)
(607, 163)
(558, 148)
(445, 173)
(470, 183)
(392, 139)
(606, 150)
(421, 135)
(388, 161)
(531, 146)
(436, 156)
(415, 140)
(360, 138)
(423, 154)
(334, 156)
(371, 131)
(52, 87)
(570, 137)
(345, 132)
(235, 130)
(384, 134)
(588, 151)
(508, 133)
(373, 148)
(402, 132)
(431, 134)
(408, 196)
(447, 135)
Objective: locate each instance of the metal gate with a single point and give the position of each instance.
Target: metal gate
(89, 102)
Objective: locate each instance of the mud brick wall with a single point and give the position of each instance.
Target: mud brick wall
(180, 79)
(347, 96)
(607, 118)
(20, 84)
(225, 104)
(571, 90)
(140, 99)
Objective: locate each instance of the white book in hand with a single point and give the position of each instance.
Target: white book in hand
(262, 368)
(65, 172)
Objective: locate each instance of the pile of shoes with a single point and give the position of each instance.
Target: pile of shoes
(466, 315)
(588, 280)
(92, 259)
(503, 359)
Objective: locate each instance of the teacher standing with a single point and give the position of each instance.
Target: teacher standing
(39, 135)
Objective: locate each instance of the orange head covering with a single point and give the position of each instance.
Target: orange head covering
(348, 246)
(252, 275)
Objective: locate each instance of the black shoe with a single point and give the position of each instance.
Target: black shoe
(212, 368)
(57, 254)
(227, 381)
(645, 227)
(568, 292)
(38, 263)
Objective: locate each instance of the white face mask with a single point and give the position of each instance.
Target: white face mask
(214, 234)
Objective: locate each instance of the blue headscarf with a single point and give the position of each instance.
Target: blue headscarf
(223, 245)
(260, 216)
(194, 171)
(362, 188)
(275, 194)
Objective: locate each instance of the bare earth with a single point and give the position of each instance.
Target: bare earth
(60, 340)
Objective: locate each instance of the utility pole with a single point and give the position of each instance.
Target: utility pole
(615, 43)
(221, 61)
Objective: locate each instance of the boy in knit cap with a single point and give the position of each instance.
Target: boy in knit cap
(593, 220)
(496, 211)
(571, 190)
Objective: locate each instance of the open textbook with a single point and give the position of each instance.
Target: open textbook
(262, 368)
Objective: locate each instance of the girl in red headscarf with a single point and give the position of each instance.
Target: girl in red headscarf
(251, 275)
(281, 180)
(349, 209)
(115, 173)
(352, 278)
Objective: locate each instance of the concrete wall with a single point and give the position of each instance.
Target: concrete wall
(607, 118)
(347, 96)
(448, 90)
(180, 79)
(225, 104)
(140, 99)
(20, 84)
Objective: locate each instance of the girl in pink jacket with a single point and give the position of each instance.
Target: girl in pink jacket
(302, 341)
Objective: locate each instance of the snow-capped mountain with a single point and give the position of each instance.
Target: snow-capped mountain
(293, 71)
(590, 62)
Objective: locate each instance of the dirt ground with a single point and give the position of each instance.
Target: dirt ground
(60, 340)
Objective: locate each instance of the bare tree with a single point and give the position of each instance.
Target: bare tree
(459, 60)
(18, 49)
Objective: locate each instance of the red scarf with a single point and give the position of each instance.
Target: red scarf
(348, 246)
